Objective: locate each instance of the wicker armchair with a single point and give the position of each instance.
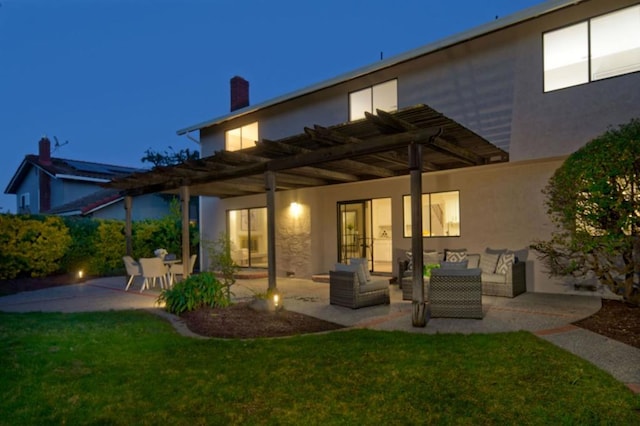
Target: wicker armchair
(345, 290)
(456, 293)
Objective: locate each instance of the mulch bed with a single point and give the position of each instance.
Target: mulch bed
(242, 321)
(616, 320)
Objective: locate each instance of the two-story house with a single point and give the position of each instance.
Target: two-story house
(510, 100)
(49, 185)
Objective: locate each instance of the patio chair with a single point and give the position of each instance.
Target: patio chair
(346, 289)
(153, 268)
(456, 293)
(133, 270)
(176, 269)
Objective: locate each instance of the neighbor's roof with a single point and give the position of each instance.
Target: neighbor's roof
(371, 148)
(61, 168)
(498, 24)
(88, 204)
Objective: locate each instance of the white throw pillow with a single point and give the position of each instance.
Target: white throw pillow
(456, 255)
(504, 261)
(488, 262)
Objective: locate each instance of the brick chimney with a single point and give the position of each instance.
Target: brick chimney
(44, 156)
(239, 93)
(44, 151)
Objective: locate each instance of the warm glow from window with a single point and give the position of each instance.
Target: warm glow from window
(440, 214)
(383, 96)
(602, 47)
(242, 137)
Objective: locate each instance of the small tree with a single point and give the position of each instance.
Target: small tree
(169, 158)
(220, 260)
(594, 201)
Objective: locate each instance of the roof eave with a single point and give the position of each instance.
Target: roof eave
(498, 24)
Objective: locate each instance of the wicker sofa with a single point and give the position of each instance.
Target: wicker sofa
(455, 293)
(349, 287)
(509, 282)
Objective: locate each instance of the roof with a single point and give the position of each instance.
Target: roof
(371, 148)
(88, 204)
(498, 24)
(68, 169)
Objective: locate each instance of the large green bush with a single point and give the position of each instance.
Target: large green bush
(594, 201)
(196, 291)
(110, 246)
(31, 244)
(82, 249)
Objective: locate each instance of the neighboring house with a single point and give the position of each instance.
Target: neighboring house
(48, 185)
(537, 85)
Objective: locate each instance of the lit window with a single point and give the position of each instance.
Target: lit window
(440, 214)
(383, 96)
(566, 57)
(242, 137)
(615, 43)
(602, 47)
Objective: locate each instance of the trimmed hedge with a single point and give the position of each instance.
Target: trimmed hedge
(45, 245)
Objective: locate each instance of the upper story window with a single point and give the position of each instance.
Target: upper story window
(382, 96)
(242, 137)
(601, 47)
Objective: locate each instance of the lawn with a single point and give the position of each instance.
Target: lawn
(132, 368)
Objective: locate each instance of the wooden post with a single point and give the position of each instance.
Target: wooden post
(128, 201)
(270, 185)
(184, 207)
(420, 308)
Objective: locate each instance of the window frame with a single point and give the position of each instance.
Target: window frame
(372, 100)
(590, 59)
(241, 129)
(406, 227)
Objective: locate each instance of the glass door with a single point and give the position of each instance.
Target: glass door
(364, 230)
(248, 236)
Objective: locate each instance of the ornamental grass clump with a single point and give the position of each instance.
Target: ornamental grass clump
(196, 291)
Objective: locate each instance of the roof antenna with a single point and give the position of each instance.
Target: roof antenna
(58, 144)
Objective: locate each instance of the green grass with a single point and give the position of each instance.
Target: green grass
(132, 368)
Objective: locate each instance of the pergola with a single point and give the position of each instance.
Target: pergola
(409, 141)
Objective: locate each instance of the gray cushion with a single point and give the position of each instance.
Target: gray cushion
(374, 285)
(474, 260)
(352, 268)
(494, 278)
(456, 272)
(454, 265)
(430, 257)
(365, 264)
(489, 260)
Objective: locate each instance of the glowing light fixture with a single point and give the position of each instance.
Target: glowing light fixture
(80, 273)
(296, 209)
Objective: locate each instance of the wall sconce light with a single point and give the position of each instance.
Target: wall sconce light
(296, 209)
(80, 274)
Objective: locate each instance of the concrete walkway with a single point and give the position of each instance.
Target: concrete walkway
(549, 316)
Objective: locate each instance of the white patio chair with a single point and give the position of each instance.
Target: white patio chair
(153, 268)
(133, 270)
(177, 269)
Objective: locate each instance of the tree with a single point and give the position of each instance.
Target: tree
(593, 201)
(169, 158)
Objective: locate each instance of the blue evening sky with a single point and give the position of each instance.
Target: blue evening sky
(116, 77)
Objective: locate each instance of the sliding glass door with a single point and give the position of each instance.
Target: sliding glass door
(248, 236)
(364, 230)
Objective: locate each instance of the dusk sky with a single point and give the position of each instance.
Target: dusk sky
(117, 77)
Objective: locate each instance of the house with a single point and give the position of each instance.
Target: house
(48, 185)
(509, 100)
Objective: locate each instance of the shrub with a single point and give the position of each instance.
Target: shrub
(31, 244)
(110, 246)
(197, 291)
(82, 248)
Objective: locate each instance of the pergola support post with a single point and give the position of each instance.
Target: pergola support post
(420, 309)
(186, 243)
(270, 186)
(128, 202)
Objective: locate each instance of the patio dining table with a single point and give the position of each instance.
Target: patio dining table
(168, 263)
